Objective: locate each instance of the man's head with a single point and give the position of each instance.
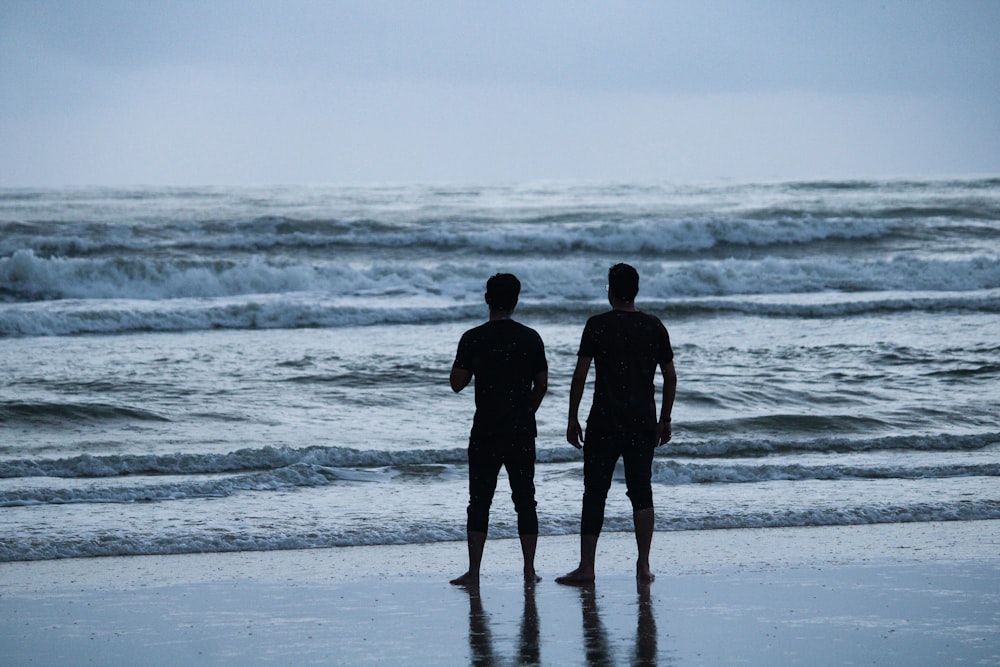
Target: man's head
(623, 282)
(502, 291)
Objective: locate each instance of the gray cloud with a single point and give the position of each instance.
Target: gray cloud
(223, 92)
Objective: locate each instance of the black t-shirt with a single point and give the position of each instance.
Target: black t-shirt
(503, 356)
(627, 347)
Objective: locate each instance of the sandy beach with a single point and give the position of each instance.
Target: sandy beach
(914, 594)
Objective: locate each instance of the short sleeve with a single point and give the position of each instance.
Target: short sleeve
(588, 343)
(464, 355)
(664, 352)
(539, 363)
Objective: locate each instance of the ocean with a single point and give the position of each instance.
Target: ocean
(219, 369)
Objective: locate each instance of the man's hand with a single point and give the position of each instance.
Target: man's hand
(663, 433)
(574, 433)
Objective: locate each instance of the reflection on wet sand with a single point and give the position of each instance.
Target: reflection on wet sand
(598, 649)
(481, 638)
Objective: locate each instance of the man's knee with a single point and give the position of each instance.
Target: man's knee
(478, 518)
(527, 515)
(642, 498)
(527, 521)
(592, 517)
(524, 503)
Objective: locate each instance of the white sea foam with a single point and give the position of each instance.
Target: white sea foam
(102, 296)
(403, 532)
(154, 279)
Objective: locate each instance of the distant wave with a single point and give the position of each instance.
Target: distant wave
(243, 460)
(296, 311)
(189, 315)
(297, 475)
(846, 307)
(27, 277)
(46, 412)
(894, 185)
(156, 490)
(532, 219)
(775, 229)
(674, 473)
(728, 447)
(566, 232)
(252, 460)
(845, 516)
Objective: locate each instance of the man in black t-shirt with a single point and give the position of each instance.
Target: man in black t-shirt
(627, 346)
(508, 361)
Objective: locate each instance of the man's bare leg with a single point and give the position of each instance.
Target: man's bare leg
(584, 574)
(644, 523)
(528, 544)
(476, 542)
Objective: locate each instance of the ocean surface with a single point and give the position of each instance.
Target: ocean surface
(217, 369)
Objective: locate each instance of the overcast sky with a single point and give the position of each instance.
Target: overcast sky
(244, 92)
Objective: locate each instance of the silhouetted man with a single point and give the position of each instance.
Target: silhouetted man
(508, 362)
(626, 346)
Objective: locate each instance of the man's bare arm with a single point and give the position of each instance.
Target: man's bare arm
(574, 432)
(663, 428)
(540, 385)
(459, 378)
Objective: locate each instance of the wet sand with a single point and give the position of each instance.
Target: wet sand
(914, 594)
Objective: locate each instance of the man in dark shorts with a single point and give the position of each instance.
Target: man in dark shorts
(508, 361)
(626, 346)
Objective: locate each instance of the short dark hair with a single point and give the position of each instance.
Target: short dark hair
(623, 281)
(502, 291)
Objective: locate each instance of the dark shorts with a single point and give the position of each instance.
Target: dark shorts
(486, 456)
(601, 452)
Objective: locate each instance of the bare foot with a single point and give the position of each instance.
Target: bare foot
(642, 573)
(530, 577)
(467, 579)
(579, 577)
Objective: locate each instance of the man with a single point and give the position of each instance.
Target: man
(508, 361)
(627, 346)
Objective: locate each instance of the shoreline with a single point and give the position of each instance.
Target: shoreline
(916, 593)
(673, 552)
